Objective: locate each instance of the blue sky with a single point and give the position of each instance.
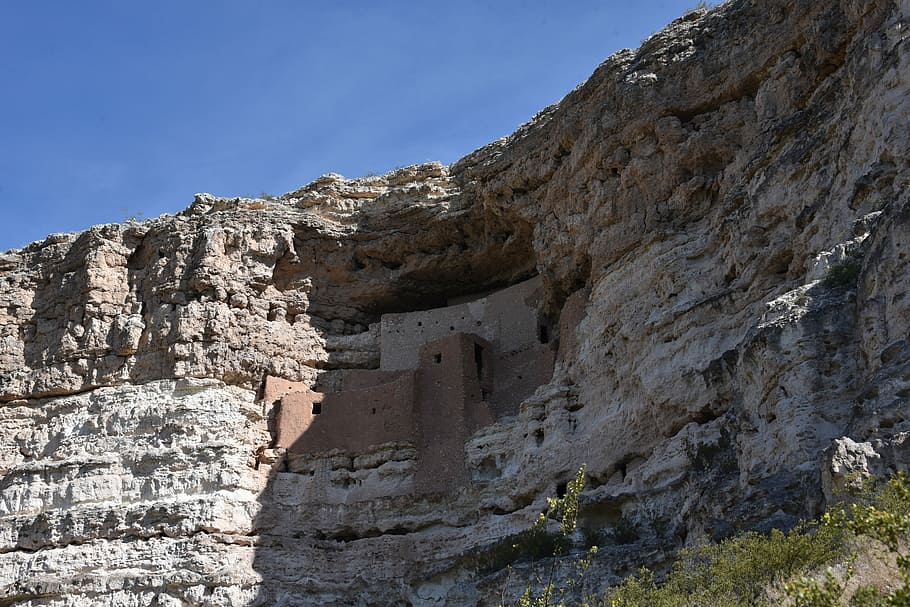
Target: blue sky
(113, 108)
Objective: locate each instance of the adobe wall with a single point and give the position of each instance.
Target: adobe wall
(516, 311)
(353, 420)
(358, 379)
(449, 407)
(573, 311)
(447, 380)
(294, 417)
(517, 375)
(436, 407)
(276, 388)
(506, 318)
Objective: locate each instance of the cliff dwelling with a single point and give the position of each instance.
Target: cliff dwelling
(444, 373)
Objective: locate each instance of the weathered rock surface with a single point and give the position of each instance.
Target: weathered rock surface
(725, 212)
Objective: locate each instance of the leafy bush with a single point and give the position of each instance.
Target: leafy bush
(842, 274)
(532, 544)
(737, 571)
(563, 511)
(752, 569)
(746, 570)
(880, 516)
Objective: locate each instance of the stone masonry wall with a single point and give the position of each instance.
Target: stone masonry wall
(351, 421)
(448, 382)
(449, 409)
(507, 318)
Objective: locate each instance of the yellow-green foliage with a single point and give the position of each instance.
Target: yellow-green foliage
(748, 569)
(564, 511)
(754, 569)
(738, 571)
(882, 519)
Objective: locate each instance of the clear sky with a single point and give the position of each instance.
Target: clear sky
(114, 108)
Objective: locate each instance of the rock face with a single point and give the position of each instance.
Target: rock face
(720, 222)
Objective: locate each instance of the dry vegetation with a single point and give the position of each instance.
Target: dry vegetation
(856, 555)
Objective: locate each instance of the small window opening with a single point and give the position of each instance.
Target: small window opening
(543, 334)
(419, 324)
(561, 489)
(451, 328)
(478, 360)
(483, 395)
(374, 410)
(437, 358)
(317, 408)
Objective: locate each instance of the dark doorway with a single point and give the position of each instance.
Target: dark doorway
(543, 334)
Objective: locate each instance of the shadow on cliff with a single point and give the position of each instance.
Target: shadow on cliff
(327, 503)
(366, 462)
(368, 466)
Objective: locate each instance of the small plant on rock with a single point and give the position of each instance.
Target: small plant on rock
(842, 274)
(702, 5)
(554, 592)
(845, 273)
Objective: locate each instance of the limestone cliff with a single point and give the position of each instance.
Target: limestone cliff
(720, 221)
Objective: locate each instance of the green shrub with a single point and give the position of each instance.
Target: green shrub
(881, 515)
(842, 274)
(751, 569)
(564, 512)
(807, 592)
(737, 571)
(532, 544)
